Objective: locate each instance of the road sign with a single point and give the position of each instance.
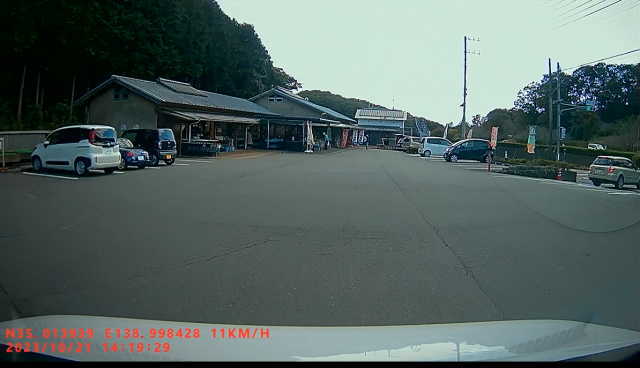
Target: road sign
(589, 105)
(494, 137)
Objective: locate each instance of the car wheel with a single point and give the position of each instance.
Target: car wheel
(122, 165)
(154, 159)
(454, 158)
(80, 167)
(620, 182)
(142, 166)
(596, 183)
(170, 162)
(36, 164)
(422, 154)
(427, 153)
(109, 170)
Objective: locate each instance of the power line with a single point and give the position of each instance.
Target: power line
(622, 12)
(603, 59)
(586, 15)
(569, 3)
(587, 8)
(574, 8)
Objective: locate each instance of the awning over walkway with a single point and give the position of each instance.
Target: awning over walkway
(204, 117)
(376, 129)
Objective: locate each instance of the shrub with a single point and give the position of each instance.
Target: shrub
(636, 159)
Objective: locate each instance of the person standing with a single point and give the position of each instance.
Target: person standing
(366, 141)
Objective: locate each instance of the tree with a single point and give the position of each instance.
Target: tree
(87, 41)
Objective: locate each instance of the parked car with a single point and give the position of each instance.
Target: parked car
(469, 149)
(78, 148)
(131, 156)
(596, 146)
(160, 143)
(433, 146)
(614, 170)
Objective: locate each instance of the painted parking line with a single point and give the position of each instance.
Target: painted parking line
(199, 161)
(118, 172)
(51, 176)
(153, 167)
(177, 164)
(623, 193)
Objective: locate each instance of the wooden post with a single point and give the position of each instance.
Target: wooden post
(73, 92)
(38, 90)
(19, 116)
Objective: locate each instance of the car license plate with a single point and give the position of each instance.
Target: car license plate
(168, 157)
(140, 158)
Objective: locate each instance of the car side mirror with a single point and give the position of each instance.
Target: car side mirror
(46, 143)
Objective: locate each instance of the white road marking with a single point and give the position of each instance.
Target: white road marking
(177, 164)
(203, 162)
(152, 167)
(51, 176)
(118, 172)
(622, 193)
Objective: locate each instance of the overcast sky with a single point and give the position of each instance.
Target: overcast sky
(411, 51)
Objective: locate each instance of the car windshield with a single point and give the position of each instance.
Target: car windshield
(368, 179)
(602, 161)
(103, 136)
(125, 143)
(166, 135)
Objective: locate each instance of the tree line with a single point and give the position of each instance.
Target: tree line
(614, 90)
(57, 50)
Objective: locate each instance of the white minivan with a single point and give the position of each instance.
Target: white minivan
(78, 148)
(433, 146)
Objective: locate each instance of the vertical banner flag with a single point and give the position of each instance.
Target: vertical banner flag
(531, 143)
(470, 134)
(446, 130)
(494, 137)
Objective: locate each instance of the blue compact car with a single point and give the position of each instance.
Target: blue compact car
(131, 156)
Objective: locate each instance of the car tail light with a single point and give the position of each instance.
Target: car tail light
(129, 154)
(610, 170)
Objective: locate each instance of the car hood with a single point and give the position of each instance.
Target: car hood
(523, 340)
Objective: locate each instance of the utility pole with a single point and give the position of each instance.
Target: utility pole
(19, 115)
(464, 94)
(558, 111)
(73, 92)
(550, 93)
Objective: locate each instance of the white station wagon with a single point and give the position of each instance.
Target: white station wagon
(614, 170)
(78, 148)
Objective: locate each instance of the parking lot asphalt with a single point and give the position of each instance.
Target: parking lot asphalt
(354, 237)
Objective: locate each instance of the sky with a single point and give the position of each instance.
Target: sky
(408, 54)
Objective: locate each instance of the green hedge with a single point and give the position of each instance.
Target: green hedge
(544, 172)
(636, 159)
(573, 149)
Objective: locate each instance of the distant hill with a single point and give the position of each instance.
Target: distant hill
(349, 106)
(343, 105)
